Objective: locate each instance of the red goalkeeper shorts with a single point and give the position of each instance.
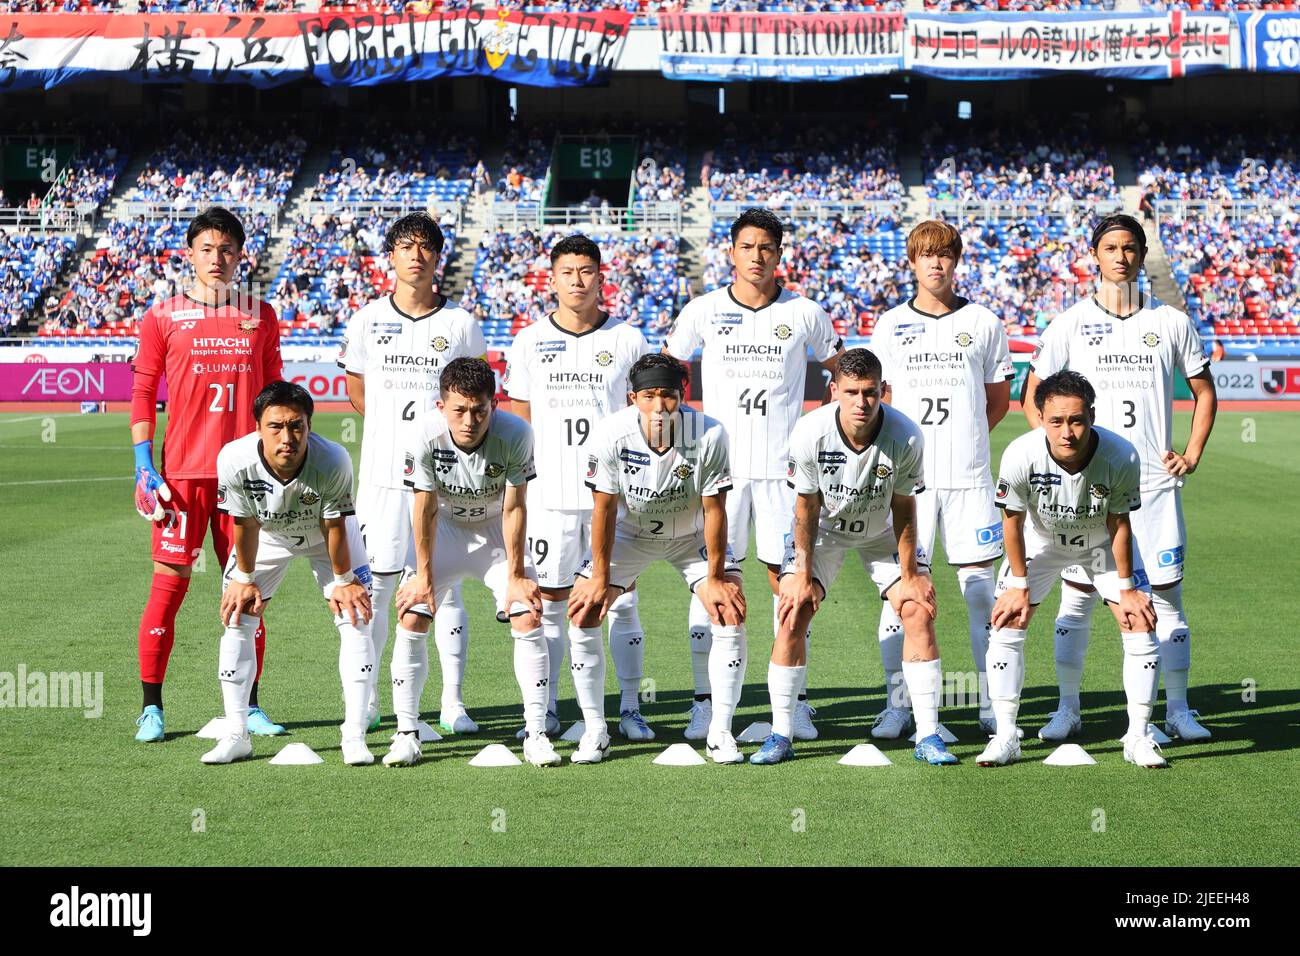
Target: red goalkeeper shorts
(178, 537)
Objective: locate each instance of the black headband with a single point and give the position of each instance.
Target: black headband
(1126, 223)
(656, 376)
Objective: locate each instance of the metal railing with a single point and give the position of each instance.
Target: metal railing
(656, 216)
(176, 212)
(726, 210)
(385, 208)
(1021, 208)
(1235, 210)
(47, 219)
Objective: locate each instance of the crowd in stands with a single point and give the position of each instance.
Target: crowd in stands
(221, 162)
(1018, 6)
(807, 6)
(1223, 164)
(382, 163)
(29, 266)
(523, 165)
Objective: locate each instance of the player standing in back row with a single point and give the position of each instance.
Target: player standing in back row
(573, 367)
(756, 337)
(1129, 346)
(216, 350)
(394, 352)
(947, 368)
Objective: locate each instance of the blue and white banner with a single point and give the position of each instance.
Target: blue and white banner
(1270, 42)
(1001, 46)
(543, 49)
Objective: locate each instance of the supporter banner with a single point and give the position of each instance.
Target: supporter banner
(1270, 42)
(536, 49)
(1152, 46)
(793, 48)
(1261, 380)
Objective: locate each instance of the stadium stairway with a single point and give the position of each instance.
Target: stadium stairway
(315, 162)
(696, 220)
(1163, 283)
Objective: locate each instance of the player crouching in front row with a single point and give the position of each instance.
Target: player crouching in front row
(1077, 483)
(659, 472)
(470, 469)
(856, 466)
(290, 493)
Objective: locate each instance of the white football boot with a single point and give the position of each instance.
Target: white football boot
(989, 727)
(592, 747)
(1143, 751)
(804, 729)
(456, 721)
(891, 723)
(1064, 723)
(1000, 752)
(633, 726)
(540, 752)
(356, 753)
(404, 750)
(722, 747)
(701, 717)
(553, 728)
(1183, 725)
(229, 749)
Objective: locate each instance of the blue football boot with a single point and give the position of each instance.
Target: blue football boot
(775, 749)
(262, 725)
(151, 725)
(933, 751)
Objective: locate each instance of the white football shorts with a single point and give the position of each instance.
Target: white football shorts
(770, 502)
(970, 522)
(630, 556)
(1045, 564)
(879, 556)
(477, 552)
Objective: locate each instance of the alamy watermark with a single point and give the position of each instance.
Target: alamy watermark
(66, 690)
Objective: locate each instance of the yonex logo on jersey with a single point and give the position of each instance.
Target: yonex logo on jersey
(494, 469)
(964, 340)
(310, 497)
(1150, 340)
(988, 535)
(1099, 490)
(257, 487)
(1169, 558)
(909, 331)
(383, 339)
(783, 332)
(603, 359)
(186, 326)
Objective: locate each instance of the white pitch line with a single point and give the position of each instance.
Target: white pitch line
(64, 481)
(66, 446)
(33, 418)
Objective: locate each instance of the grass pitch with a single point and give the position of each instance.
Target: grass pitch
(78, 791)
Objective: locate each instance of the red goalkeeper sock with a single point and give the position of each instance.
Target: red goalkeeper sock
(157, 625)
(259, 644)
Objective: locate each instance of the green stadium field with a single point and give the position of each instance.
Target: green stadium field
(76, 790)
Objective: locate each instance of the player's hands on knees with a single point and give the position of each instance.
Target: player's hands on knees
(1136, 612)
(417, 590)
(351, 601)
(590, 596)
(525, 591)
(918, 588)
(724, 599)
(1011, 609)
(240, 599)
(794, 591)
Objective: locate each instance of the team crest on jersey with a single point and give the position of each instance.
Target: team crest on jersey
(248, 325)
(684, 470)
(883, 471)
(591, 466)
(783, 331)
(409, 468)
(1099, 490)
(494, 469)
(440, 343)
(964, 340)
(603, 359)
(1150, 340)
(257, 487)
(1004, 489)
(309, 497)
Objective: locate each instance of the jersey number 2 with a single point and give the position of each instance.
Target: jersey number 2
(228, 390)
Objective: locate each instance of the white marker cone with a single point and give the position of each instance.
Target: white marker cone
(495, 755)
(755, 733)
(298, 754)
(865, 755)
(427, 734)
(679, 755)
(214, 729)
(1069, 755)
(946, 735)
(574, 733)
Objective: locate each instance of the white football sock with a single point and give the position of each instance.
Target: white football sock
(587, 664)
(977, 588)
(1175, 645)
(701, 646)
(923, 679)
(451, 635)
(627, 648)
(1073, 629)
(382, 589)
(1141, 678)
(727, 673)
(554, 624)
(410, 670)
(356, 666)
(891, 657)
(1006, 677)
(802, 691)
(783, 687)
(533, 672)
(236, 666)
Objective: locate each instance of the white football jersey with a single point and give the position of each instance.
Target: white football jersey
(401, 358)
(571, 381)
(937, 367)
(754, 365)
(1067, 513)
(659, 493)
(857, 487)
(1130, 362)
(290, 512)
(471, 484)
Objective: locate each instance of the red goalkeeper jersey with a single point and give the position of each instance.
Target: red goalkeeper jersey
(216, 359)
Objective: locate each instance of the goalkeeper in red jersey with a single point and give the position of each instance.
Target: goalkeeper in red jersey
(217, 348)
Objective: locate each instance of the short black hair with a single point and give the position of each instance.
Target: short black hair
(222, 220)
(1065, 383)
(472, 377)
(287, 394)
(763, 219)
(659, 360)
(859, 363)
(1118, 221)
(575, 245)
(414, 225)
